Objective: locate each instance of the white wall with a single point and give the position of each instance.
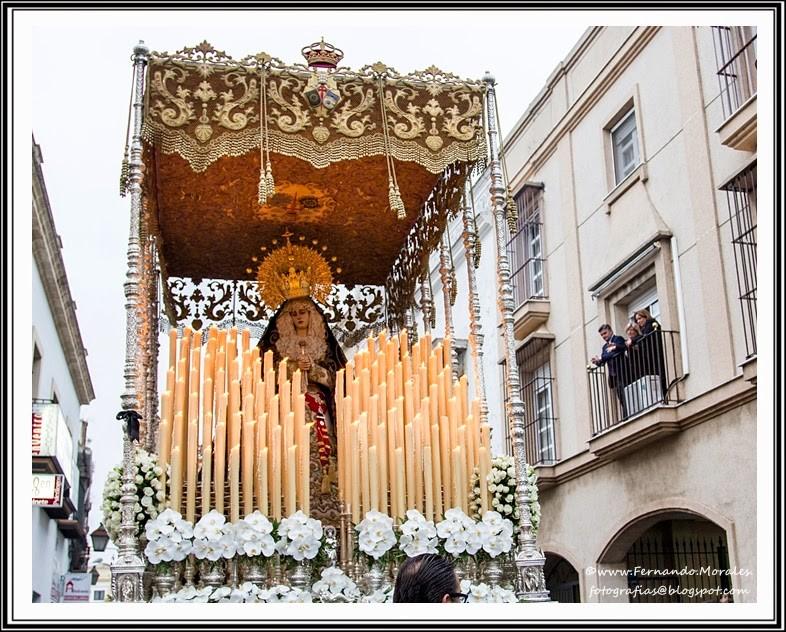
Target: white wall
(50, 549)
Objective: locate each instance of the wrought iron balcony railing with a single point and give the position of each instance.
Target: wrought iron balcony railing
(646, 375)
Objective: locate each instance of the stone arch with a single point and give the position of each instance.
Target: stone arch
(638, 521)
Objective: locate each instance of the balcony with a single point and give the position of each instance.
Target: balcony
(735, 54)
(529, 294)
(646, 376)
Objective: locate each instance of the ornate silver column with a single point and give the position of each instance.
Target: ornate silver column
(127, 572)
(447, 293)
(411, 327)
(529, 560)
(471, 239)
(426, 300)
(151, 353)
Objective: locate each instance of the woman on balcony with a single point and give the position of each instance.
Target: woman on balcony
(650, 346)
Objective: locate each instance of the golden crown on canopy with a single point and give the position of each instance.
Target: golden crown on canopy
(293, 271)
(322, 55)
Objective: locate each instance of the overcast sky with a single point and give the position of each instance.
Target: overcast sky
(81, 76)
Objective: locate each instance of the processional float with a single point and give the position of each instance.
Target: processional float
(252, 182)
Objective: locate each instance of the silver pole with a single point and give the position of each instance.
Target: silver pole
(529, 560)
(475, 329)
(128, 570)
(426, 300)
(447, 288)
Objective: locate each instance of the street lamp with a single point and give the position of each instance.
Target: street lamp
(100, 538)
(94, 576)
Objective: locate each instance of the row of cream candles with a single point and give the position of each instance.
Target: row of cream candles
(248, 412)
(393, 409)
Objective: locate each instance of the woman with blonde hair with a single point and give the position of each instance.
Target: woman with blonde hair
(651, 348)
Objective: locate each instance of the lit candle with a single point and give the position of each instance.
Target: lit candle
(391, 444)
(418, 454)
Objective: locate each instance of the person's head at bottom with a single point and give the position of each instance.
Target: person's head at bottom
(427, 578)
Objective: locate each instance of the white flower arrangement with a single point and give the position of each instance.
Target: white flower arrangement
(483, 593)
(334, 585)
(454, 531)
(254, 535)
(383, 595)
(214, 537)
(498, 534)
(245, 593)
(418, 535)
(501, 482)
(150, 495)
(375, 534)
(169, 538)
(300, 537)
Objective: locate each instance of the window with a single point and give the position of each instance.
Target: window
(36, 369)
(741, 200)
(534, 364)
(735, 56)
(648, 301)
(625, 146)
(525, 247)
(98, 595)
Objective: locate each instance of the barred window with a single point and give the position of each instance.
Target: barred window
(735, 55)
(525, 247)
(741, 200)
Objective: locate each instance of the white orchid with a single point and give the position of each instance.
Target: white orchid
(378, 596)
(418, 535)
(334, 583)
(300, 537)
(375, 534)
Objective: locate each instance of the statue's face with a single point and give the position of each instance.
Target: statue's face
(300, 313)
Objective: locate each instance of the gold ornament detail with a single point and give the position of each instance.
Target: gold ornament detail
(293, 271)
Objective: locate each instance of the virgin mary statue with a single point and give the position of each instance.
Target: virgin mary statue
(299, 332)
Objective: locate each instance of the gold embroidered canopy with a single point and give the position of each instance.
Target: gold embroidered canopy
(335, 142)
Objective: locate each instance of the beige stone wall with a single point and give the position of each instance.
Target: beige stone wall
(698, 470)
(707, 466)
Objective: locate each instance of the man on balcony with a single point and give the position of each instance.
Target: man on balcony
(613, 355)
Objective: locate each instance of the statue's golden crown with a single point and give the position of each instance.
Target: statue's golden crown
(293, 271)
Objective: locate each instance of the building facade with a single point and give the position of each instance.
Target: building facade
(634, 177)
(62, 464)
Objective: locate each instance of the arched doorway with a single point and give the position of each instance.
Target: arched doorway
(675, 557)
(562, 580)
